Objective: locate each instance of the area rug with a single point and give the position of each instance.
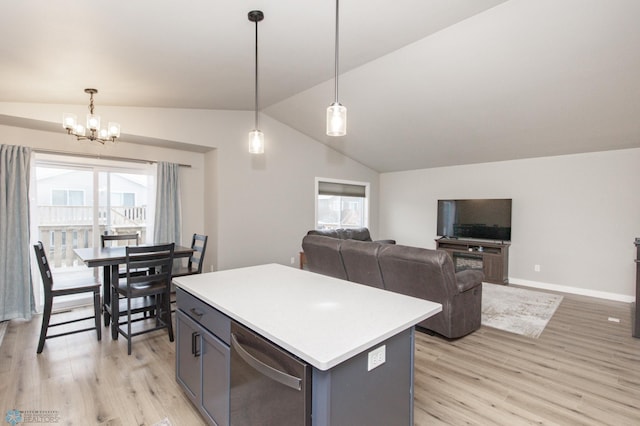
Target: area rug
(517, 310)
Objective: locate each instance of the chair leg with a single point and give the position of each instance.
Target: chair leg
(128, 326)
(46, 317)
(167, 309)
(115, 314)
(96, 312)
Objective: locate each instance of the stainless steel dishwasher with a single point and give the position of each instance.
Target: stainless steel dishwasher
(269, 386)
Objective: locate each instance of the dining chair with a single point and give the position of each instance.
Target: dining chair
(108, 240)
(156, 286)
(194, 265)
(66, 288)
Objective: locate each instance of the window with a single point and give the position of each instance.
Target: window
(341, 204)
(67, 197)
(123, 199)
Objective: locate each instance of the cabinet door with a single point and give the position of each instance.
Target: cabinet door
(215, 378)
(493, 267)
(188, 349)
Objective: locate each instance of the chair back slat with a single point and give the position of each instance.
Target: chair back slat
(104, 239)
(157, 259)
(199, 245)
(43, 265)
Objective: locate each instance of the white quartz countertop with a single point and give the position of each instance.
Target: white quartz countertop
(320, 319)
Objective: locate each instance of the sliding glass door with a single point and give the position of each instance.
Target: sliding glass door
(74, 201)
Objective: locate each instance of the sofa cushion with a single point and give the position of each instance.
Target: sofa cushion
(360, 260)
(418, 272)
(323, 255)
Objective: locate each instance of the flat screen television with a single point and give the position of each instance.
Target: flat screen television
(486, 219)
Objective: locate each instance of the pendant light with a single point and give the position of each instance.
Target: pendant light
(256, 137)
(336, 113)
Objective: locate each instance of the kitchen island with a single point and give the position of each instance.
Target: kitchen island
(271, 344)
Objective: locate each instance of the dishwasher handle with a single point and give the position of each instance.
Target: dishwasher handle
(264, 369)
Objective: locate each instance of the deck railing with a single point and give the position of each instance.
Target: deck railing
(59, 241)
(83, 215)
(64, 228)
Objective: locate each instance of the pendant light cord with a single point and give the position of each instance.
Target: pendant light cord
(336, 51)
(256, 97)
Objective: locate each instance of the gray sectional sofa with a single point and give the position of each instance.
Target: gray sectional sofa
(418, 272)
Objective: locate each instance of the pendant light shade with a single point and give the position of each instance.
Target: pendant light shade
(337, 113)
(256, 137)
(256, 142)
(336, 120)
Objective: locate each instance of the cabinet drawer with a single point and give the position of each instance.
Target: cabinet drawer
(210, 318)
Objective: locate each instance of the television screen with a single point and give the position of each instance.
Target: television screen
(487, 219)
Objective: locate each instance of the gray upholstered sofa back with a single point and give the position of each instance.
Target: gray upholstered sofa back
(418, 272)
(361, 234)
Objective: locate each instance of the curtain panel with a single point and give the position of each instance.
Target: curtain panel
(16, 288)
(168, 217)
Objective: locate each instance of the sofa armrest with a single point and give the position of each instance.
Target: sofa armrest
(386, 241)
(468, 279)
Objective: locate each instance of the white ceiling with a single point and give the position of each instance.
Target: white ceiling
(426, 82)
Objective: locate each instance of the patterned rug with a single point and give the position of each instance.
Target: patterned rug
(517, 310)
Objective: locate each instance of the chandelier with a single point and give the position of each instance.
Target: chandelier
(102, 135)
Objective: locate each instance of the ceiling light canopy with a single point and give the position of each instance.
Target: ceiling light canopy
(336, 113)
(102, 135)
(256, 137)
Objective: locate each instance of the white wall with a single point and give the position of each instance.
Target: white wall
(576, 215)
(266, 203)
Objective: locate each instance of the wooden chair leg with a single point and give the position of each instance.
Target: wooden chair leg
(167, 310)
(129, 326)
(96, 310)
(115, 314)
(46, 317)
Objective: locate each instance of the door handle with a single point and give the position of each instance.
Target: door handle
(196, 312)
(195, 350)
(264, 369)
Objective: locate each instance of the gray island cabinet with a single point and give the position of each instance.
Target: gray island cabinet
(274, 345)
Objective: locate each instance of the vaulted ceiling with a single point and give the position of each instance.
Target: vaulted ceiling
(427, 83)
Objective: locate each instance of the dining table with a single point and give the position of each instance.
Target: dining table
(110, 258)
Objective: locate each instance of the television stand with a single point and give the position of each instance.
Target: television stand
(491, 257)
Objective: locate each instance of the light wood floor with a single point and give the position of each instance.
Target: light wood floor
(582, 370)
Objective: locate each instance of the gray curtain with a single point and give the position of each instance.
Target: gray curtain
(168, 219)
(16, 290)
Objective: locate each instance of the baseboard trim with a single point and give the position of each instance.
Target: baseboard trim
(573, 290)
